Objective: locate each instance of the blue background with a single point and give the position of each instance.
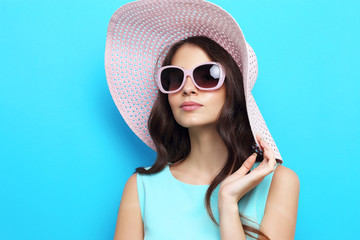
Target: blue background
(66, 152)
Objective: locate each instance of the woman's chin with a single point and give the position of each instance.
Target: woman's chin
(197, 124)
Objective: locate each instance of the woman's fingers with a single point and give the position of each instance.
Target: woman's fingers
(264, 168)
(242, 181)
(269, 156)
(246, 166)
(263, 144)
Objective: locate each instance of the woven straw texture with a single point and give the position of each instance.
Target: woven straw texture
(139, 36)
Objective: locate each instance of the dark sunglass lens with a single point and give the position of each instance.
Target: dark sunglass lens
(207, 76)
(171, 78)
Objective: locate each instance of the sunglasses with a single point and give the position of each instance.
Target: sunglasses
(206, 76)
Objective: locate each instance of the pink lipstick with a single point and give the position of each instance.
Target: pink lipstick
(190, 106)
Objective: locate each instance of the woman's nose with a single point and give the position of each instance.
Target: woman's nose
(189, 87)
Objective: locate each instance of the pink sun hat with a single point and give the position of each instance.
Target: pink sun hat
(139, 36)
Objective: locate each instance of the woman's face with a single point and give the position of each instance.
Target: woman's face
(210, 102)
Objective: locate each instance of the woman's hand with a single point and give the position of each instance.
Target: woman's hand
(236, 185)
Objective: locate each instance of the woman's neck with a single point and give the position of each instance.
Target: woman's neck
(208, 152)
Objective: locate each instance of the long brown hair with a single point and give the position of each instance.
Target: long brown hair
(172, 140)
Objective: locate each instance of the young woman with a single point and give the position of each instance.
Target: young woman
(207, 182)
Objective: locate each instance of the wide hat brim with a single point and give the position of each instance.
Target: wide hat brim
(139, 36)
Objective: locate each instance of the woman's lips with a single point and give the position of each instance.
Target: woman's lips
(190, 106)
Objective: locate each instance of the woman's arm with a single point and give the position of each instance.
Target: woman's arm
(234, 187)
(129, 225)
(281, 207)
(279, 219)
(230, 224)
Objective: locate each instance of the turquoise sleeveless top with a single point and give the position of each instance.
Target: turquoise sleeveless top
(174, 210)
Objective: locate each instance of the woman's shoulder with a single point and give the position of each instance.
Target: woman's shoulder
(151, 179)
(285, 184)
(282, 203)
(285, 176)
(129, 222)
(130, 189)
(284, 191)
(131, 182)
